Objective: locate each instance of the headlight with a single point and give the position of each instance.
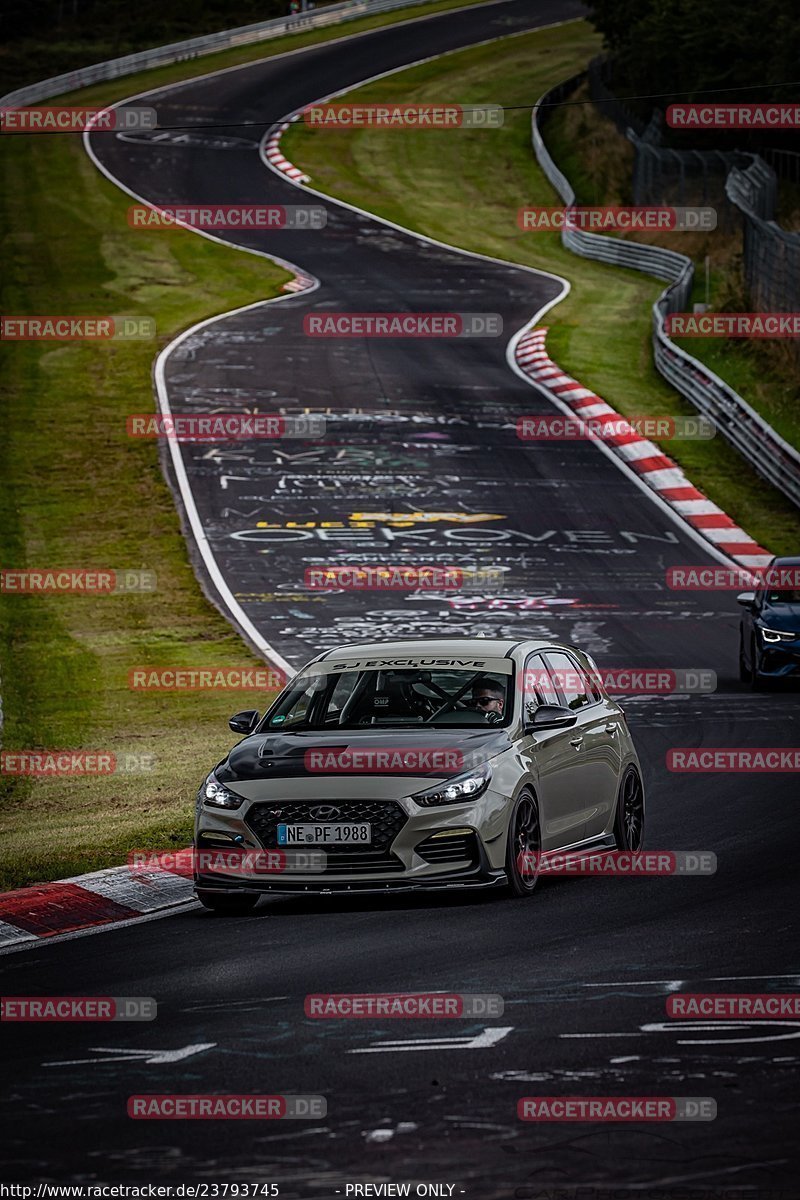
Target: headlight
(776, 635)
(458, 791)
(217, 796)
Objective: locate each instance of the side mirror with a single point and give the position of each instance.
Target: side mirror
(244, 722)
(746, 599)
(550, 716)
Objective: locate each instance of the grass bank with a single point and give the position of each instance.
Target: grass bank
(76, 492)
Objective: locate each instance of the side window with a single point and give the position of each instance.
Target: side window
(538, 686)
(342, 688)
(570, 679)
(296, 713)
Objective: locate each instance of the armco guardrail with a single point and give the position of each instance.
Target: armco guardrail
(160, 56)
(741, 425)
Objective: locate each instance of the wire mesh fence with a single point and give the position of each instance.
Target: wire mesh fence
(773, 458)
(741, 186)
(662, 175)
(771, 255)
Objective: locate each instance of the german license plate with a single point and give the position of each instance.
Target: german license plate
(339, 833)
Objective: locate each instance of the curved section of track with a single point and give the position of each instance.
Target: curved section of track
(422, 464)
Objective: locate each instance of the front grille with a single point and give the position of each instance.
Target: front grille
(449, 849)
(387, 819)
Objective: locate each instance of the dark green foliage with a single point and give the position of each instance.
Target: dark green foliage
(683, 46)
(48, 37)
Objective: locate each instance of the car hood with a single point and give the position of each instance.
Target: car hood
(785, 617)
(398, 753)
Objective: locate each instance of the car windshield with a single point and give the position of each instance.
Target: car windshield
(394, 697)
(789, 596)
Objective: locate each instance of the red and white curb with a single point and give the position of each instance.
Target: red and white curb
(300, 283)
(654, 467)
(84, 901)
(273, 153)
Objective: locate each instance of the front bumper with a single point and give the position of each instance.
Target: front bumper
(450, 846)
(440, 882)
(778, 661)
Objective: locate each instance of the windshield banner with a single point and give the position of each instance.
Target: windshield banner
(496, 666)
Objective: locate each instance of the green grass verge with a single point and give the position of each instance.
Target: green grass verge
(76, 492)
(465, 188)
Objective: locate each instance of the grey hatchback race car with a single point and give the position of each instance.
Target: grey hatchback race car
(419, 764)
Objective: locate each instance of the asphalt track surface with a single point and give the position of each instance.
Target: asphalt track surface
(585, 967)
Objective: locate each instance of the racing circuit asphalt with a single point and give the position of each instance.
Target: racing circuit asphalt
(586, 965)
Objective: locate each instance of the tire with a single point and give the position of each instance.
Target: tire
(629, 817)
(227, 905)
(756, 682)
(744, 670)
(524, 835)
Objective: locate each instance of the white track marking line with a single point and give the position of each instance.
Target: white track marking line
(677, 983)
(481, 1041)
(121, 1054)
